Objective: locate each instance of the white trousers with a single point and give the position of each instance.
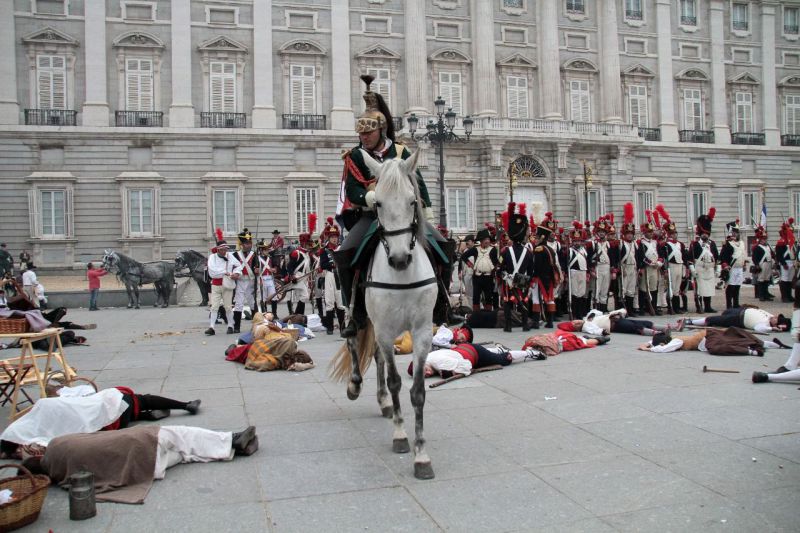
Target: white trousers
(766, 271)
(333, 296)
(299, 292)
(602, 283)
(577, 281)
(649, 280)
(787, 274)
(705, 275)
(220, 297)
(244, 294)
(676, 271)
(186, 444)
(629, 279)
(267, 288)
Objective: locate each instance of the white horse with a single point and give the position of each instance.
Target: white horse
(400, 296)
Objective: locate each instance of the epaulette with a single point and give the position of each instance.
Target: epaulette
(346, 153)
(538, 248)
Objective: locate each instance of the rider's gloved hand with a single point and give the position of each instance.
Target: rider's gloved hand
(370, 199)
(429, 214)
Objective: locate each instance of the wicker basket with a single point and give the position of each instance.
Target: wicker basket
(29, 491)
(56, 380)
(13, 325)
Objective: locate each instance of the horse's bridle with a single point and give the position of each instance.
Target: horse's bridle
(382, 232)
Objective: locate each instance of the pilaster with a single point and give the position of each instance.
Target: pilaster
(719, 111)
(264, 115)
(550, 78)
(181, 111)
(415, 58)
(666, 99)
(772, 132)
(95, 108)
(485, 75)
(342, 117)
(610, 85)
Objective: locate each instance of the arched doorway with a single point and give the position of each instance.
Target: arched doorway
(527, 178)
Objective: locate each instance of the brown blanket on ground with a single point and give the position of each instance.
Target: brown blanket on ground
(123, 462)
(730, 341)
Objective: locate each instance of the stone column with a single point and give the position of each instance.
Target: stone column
(9, 106)
(484, 70)
(181, 111)
(666, 95)
(263, 94)
(549, 68)
(610, 83)
(768, 85)
(719, 107)
(418, 101)
(95, 108)
(342, 117)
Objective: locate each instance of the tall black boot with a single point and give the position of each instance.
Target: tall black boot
(676, 304)
(301, 308)
(274, 306)
(654, 298)
(237, 321)
(767, 294)
(707, 305)
(320, 309)
(507, 317)
(524, 314)
(735, 296)
(684, 303)
(629, 306)
(340, 318)
(290, 306)
(728, 297)
(786, 291)
(222, 315)
(537, 316)
(329, 322)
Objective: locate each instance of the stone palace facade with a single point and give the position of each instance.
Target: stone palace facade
(141, 125)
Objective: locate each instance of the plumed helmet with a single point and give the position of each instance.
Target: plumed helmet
(244, 236)
(704, 222)
(517, 226)
(787, 232)
(761, 232)
(601, 224)
(577, 233)
(305, 238)
(730, 227)
(628, 225)
(666, 222)
(220, 240)
(377, 115)
(483, 234)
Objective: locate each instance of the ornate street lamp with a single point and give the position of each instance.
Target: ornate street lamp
(587, 182)
(439, 133)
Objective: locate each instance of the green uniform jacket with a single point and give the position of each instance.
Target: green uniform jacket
(356, 191)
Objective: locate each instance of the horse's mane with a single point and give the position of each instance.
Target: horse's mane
(392, 180)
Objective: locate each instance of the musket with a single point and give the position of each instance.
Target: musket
(569, 284)
(288, 287)
(257, 284)
(649, 301)
(455, 377)
(697, 304)
(669, 282)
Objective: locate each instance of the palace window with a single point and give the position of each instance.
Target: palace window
(750, 208)
(382, 84)
(645, 201)
(225, 209)
(302, 82)
(634, 10)
(140, 212)
(460, 209)
(450, 90)
(50, 210)
(517, 93)
(306, 201)
(637, 103)
(576, 6)
(222, 87)
(744, 112)
(791, 20)
(698, 205)
(689, 12)
(693, 109)
(138, 84)
(792, 115)
(580, 108)
(740, 16)
(595, 203)
(51, 82)
(796, 205)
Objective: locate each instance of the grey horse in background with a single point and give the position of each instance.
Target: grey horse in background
(197, 264)
(135, 274)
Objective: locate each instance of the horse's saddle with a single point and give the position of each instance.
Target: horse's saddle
(371, 235)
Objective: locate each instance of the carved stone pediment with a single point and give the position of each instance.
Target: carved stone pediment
(137, 39)
(49, 36)
(378, 52)
(745, 78)
(692, 74)
(516, 60)
(580, 65)
(450, 55)
(303, 47)
(221, 43)
(638, 70)
(790, 81)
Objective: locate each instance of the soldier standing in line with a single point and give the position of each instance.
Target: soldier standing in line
(224, 270)
(331, 284)
(578, 261)
(763, 263)
(546, 275)
(786, 256)
(675, 258)
(603, 257)
(628, 250)
(268, 272)
(703, 256)
(733, 259)
(244, 293)
(516, 266)
(298, 268)
(649, 263)
(481, 261)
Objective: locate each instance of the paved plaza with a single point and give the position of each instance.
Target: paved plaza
(606, 439)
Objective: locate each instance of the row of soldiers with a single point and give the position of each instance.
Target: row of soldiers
(544, 270)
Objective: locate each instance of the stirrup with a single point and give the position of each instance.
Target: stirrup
(350, 330)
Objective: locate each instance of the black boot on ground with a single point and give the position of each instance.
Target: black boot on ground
(340, 318)
(274, 306)
(735, 301)
(507, 317)
(676, 304)
(728, 297)
(537, 316)
(707, 305)
(301, 308)
(654, 299)
(684, 303)
(291, 307)
(237, 321)
(526, 326)
(329, 322)
(629, 306)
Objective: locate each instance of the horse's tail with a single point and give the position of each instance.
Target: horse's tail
(341, 365)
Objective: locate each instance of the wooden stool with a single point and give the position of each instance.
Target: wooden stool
(8, 378)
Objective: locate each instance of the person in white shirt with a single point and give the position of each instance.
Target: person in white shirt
(666, 343)
(752, 318)
(224, 270)
(464, 358)
(29, 283)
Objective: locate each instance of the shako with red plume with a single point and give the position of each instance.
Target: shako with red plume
(628, 226)
(577, 233)
(305, 237)
(666, 222)
(601, 224)
(787, 233)
(704, 222)
(517, 222)
(647, 225)
(220, 240)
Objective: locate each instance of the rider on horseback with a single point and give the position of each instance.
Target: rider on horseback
(356, 211)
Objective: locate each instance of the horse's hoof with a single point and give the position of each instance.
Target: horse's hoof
(423, 471)
(387, 412)
(402, 446)
(353, 391)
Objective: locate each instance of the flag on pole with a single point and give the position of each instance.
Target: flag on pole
(763, 221)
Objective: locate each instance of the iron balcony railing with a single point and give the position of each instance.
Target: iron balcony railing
(50, 117)
(688, 21)
(748, 138)
(790, 140)
(223, 120)
(696, 136)
(791, 29)
(632, 14)
(740, 25)
(650, 134)
(139, 119)
(295, 121)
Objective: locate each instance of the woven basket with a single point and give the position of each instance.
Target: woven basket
(56, 381)
(29, 491)
(13, 325)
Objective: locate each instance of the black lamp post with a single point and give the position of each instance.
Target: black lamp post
(587, 182)
(439, 133)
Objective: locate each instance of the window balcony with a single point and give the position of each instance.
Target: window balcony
(740, 25)
(399, 123)
(791, 29)
(790, 140)
(50, 117)
(748, 138)
(688, 21)
(631, 14)
(696, 136)
(139, 119)
(294, 121)
(650, 134)
(223, 120)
